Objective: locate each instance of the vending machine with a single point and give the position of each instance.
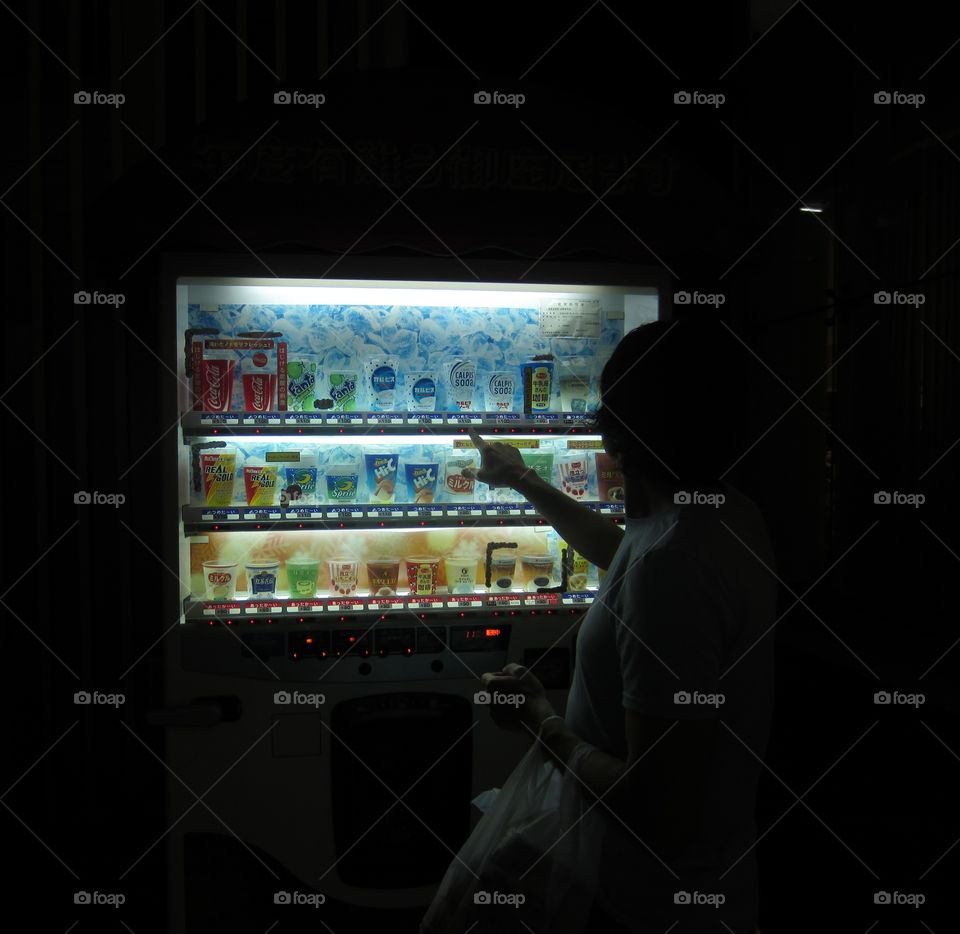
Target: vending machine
(342, 584)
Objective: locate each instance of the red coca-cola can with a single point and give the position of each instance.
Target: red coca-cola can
(259, 388)
(217, 385)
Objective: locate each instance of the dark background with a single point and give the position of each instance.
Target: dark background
(93, 196)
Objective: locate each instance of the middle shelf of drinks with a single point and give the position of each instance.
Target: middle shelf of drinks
(199, 520)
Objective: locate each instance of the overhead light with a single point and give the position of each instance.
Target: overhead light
(813, 207)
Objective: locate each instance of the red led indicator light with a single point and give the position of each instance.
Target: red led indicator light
(493, 632)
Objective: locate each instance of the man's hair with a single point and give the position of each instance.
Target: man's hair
(667, 404)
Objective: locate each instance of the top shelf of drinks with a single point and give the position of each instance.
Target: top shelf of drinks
(257, 377)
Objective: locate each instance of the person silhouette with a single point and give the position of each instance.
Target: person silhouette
(673, 680)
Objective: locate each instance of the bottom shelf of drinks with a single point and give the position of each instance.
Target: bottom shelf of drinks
(301, 586)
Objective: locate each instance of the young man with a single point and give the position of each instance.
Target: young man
(673, 684)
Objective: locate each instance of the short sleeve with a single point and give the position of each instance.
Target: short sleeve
(670, 638)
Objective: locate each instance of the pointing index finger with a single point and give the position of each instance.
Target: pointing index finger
(475, 437)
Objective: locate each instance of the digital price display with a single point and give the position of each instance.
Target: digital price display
(479, 638)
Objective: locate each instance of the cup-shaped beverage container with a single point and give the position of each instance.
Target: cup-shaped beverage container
(259, 391)
(302, 577)
(383, 575)
(537, 571)
(503, 569)
(262, 579)
(342, 483)
(217, 384)
(422, 574)
(220, 580)
(344, 574)
(461, 573)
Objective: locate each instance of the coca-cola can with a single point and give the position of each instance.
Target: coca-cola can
(217, 384)
(259, 389)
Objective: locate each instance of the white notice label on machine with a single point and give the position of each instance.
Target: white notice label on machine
(570, 317)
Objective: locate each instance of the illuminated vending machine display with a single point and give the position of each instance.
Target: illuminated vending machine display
(331, 546)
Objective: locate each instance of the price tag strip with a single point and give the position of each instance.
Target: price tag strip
(512, 509)
(336, 605)
(261, 515)
(426, 418)
(465, 418)
(385, 418)
(222, 609)
(498, 600)
(577, 599)
(432, 602)
(221, 515)
(459, 512)
(305, 606)
(385, 512)
(305, 512)
(541, 599)
(304, 419)
(465, 602)
(273, 607)
(424, 512)
(386, 603)
(345, 512)
(215, 421)
(271, 418)
(344, 418)
(546, 418)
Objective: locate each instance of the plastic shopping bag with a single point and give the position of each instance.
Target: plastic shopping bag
(532, 861)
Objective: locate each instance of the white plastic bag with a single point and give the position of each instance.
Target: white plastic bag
(533, 859)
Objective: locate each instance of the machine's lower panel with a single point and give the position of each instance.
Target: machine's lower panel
(401, 776)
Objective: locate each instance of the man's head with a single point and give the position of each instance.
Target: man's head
(665, 404)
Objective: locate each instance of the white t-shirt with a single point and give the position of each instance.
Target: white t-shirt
(685, 607)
